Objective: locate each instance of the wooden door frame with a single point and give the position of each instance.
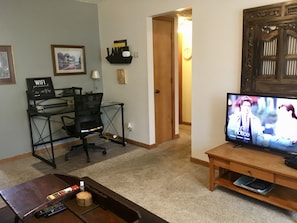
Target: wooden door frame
(180, 72)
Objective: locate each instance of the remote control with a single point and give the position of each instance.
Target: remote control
(49, 211)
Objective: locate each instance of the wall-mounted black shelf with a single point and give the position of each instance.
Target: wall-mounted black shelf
(119, 59)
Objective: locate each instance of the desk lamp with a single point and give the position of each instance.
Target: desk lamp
(95, 75)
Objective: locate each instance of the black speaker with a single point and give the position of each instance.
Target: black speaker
(291, 161)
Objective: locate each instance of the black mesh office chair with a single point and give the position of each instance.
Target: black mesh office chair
(87, 120)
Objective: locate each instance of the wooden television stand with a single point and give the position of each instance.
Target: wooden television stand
(232, 162)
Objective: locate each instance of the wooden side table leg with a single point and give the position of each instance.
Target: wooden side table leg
(211, 175)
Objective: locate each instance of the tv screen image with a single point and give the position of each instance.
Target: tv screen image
(267, 122)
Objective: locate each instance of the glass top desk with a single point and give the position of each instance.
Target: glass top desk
(46, 128)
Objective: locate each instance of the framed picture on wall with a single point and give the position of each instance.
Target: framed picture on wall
(68, 60)
(7, 71)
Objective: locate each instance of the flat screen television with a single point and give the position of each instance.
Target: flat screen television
(265, 122)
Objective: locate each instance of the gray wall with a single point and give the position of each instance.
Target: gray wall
(30, 27)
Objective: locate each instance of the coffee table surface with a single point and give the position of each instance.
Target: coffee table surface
(27, 197)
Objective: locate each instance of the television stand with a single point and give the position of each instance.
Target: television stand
(233, 163)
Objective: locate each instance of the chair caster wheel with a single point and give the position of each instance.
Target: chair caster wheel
(88, 160)
(66, 158)
(104, 152)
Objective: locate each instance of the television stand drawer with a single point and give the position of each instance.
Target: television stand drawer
(251, 171)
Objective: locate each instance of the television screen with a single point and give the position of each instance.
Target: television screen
(268, 122)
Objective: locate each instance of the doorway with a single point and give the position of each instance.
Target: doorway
(172, 73)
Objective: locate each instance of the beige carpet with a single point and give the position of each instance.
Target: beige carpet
(164, 181)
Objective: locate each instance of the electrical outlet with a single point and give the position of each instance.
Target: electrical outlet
(130, 126)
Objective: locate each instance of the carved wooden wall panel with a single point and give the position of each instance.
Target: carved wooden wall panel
(269, 56)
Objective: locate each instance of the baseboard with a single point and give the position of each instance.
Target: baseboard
(77, 141)
(146, 146)
(69, 144)
(200, 162)
(40, 151)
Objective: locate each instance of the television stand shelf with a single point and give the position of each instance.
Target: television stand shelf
(233, 162)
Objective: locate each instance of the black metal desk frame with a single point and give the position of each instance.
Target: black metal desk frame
(49, 110)
(110, 117)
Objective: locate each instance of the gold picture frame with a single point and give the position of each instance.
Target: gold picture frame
(68, 60)
(7, 71)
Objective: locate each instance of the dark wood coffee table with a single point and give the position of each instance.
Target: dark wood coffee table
(27, 198)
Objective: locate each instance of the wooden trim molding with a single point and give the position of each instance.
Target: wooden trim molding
(200, 162)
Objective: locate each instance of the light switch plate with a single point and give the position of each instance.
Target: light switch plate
(121, 73)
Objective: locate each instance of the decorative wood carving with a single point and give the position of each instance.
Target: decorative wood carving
(269, 56)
